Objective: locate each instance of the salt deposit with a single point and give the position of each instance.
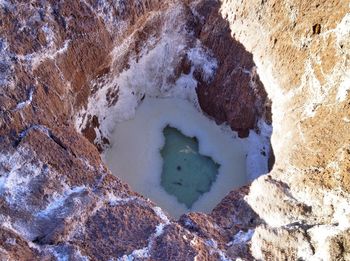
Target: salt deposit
(134, 155)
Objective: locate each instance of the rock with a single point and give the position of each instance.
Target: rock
(282, 62)
(235, 95)
(304, 193)
(14, 247)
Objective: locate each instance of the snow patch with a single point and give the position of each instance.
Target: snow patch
(159, 230)
(60, 256)
(136, 254)
(40, 128)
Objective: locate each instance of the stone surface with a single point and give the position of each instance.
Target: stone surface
(236, 94)
(305, 198)
(57, 199)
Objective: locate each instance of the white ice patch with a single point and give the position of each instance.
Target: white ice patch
(134, 154)
(11, 241)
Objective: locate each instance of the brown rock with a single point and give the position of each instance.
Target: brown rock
(57, 199)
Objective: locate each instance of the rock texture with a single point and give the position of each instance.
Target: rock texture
(236, 94)
(301, 51)
(59, 202)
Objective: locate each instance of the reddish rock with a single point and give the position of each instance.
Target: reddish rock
(236, 94)
(14, 247)
(114, 231)
(175, 244)
(58, 198)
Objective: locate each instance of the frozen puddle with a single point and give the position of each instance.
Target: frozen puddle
(162, 128)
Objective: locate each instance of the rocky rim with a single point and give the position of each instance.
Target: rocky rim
(59, 201)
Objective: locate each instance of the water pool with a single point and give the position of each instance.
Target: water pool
(136, 151)
(186, 173)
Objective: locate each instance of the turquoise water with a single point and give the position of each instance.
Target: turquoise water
(134, 156)
(186, 173)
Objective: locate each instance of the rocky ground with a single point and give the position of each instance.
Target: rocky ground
(58, 201)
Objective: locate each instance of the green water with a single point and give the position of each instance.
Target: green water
(186, 173)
